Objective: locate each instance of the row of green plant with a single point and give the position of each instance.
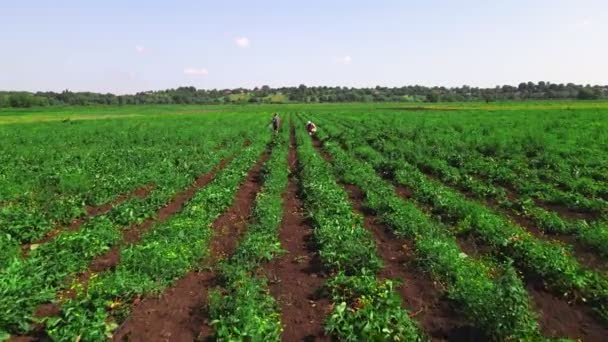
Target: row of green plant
(489, 294)
(51, 171)
(550, 261)
(28, 282)
(364, 307)
(592, 234)
(242, 308)
(166, 252)
(523, 165)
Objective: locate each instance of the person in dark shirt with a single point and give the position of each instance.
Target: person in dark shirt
(276, 123)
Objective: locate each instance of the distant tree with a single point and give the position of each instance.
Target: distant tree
(21, 100)
(522, 86)
(433, 96)
(488, 96)
(587, 94)
(4, 101)
(304, 94)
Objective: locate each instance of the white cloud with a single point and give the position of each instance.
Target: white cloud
(344, 60)
(140, 48)
(242, 42)
(196, 71)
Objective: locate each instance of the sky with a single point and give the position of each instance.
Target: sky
(130, 46)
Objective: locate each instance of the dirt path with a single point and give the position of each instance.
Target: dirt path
(91, 211)
(180, 313)
(297, 277)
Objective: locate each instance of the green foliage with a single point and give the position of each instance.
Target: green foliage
(165, 253)
(499, 305)
(245, 311)
(54, 171)
(520, 159)
(588, 94)
(242, 308)
(550, 261)
(368, 309)
(26, 283)
(485, 179)
(343, 243)
(349, 251)
(304, 94)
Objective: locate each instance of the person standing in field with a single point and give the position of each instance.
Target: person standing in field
(276, 123)
(311, 128)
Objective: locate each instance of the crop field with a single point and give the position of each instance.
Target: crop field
(443, 222)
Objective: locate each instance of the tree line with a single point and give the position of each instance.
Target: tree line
(304, 94)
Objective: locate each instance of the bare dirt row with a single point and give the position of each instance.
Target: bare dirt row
(296, 278)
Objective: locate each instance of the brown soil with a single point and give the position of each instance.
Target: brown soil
(296, 279)
(47, 310)
(568, 213)
(318, 144)
(37, 336)
(180, 313)
(559, 319)
(91, 211)
(471, 246)
(422, 296)
(404, 192)
(582, 253)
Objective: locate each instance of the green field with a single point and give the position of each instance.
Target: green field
(403, 222)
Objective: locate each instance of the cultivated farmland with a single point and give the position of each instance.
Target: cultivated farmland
(459, 222)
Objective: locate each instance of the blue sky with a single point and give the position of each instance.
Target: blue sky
(128, 46)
